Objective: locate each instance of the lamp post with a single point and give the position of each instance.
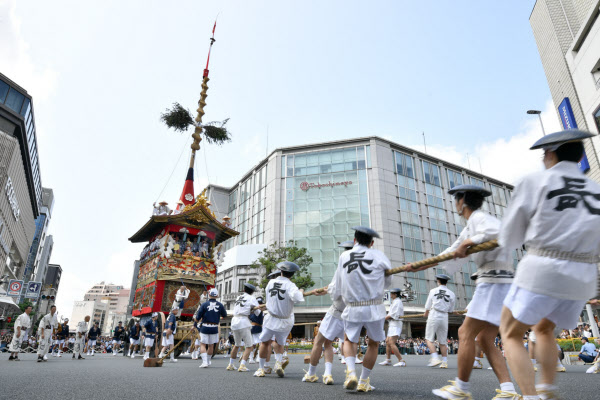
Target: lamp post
(539, 114)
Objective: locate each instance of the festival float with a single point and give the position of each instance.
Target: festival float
(183, 245)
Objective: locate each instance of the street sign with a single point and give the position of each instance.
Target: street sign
(15, 287)
(33, 290)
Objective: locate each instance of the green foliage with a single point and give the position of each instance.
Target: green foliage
(573, 344)
(276, 253)
(178, 118)
(216, 133)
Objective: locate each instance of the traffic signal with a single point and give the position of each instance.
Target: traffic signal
(51, 297)
(43, 297)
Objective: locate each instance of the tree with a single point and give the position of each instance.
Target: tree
(180, 119)
(278, 252)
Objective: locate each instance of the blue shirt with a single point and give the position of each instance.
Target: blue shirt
(93, 333)
(134, 332)
(257, 320)
(170, 323)
(589, 348)
(210, 312)
(118, 331)
(64, 331)
(151, 330)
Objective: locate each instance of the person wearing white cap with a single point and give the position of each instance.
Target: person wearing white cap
(209, 315)
(394, 329)
(168, 336)
(150, 331)
(241, 326)
(440, 302)
(360, 282)
(556, 214)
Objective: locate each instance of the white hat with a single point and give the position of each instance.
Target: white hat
(154, 314)
(213, 292)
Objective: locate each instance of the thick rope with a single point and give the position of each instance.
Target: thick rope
(422, 315)
(428, 262)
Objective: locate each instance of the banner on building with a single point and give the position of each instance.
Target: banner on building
(33, 290)
(14, 287)
(568, 122)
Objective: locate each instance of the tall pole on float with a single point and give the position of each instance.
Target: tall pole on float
(201, 103)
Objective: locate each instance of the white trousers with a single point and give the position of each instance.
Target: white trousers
(79, 344)
(15, 345)
(44, 343)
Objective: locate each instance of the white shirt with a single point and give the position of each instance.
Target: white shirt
(23, 321)
(360, 276)
(281, 295)
(396, 311)
(494, 266)
(243, 307)
(81, 328)
(440, 301)
(48, 319)
(541, 217)
(338, 305)
(179, 296)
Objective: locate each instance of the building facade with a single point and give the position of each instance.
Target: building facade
(115, 296)
(315, 194)
(39, 237)
(20, 180)
(567, 33)
(41, 269)
(97, 310)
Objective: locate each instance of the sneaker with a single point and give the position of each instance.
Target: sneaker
(400, 364)
(501, 394)
(358, 361)
(351, 381)
(203, 365)
(17, 359)
(285, 362)
(260, 373)
(434, 362)
(45, 358)
(59, 355)
(230, 367)
(251, 361)
(173, 360)
(386, 362)
(243, 368)
(364, 386)
(477, 365)
(560, 368)
(452, 392)
(328, 379)
(267, 370)
(310, 378)
(444, 365)
(593, 369)
(548, 394)
(279, 370)
(133, 356)
(343, 361)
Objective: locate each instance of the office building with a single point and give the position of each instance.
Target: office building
(314, 195)
(41, 269)
(39, 237)
(20, 181)
(567, 33)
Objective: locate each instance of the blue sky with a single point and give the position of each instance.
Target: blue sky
(464, 72)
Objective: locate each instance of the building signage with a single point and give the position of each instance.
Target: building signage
(33, 290)
(12, 198)
(568, 122)
(14, 287)
(309, 185)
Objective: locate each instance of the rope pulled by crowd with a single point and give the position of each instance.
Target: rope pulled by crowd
(428, 262)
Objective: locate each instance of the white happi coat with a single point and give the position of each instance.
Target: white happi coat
(24, 322)
(396, 311)
(494, 266)
(281, 294)
(338, 306)
(360, 277)
(51, 320)
(556, 209)
(440, 302)
(82, 327)
(242, 310)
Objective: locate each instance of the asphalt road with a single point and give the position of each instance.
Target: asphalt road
(108, 377)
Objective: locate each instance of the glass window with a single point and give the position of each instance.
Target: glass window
(14, 101)
(3, 91)
(454, 178)
(477, 182)
(25, 107)
(596, 114)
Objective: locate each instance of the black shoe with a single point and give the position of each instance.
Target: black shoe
(40, 359)
(11, 358)
(73, 356)
(80, 358)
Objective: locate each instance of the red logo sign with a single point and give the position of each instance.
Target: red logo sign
(306, 185)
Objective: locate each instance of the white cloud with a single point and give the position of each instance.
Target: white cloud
(16, 62)
(506, 159)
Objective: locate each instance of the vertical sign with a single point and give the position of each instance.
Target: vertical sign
(568, 122)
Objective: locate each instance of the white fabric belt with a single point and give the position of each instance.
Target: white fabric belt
(374, 302)
(440, 311)
(241, 316)
(586, 258)
(210, 325)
